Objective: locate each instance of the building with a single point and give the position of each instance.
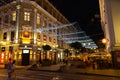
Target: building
(25, 29)
(110, 17)
(110, 22)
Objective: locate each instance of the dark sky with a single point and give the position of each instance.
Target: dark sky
(86, 12)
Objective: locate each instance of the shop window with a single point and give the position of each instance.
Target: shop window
(26, 16)
(3, 49)
(11, 48)
(5, 36)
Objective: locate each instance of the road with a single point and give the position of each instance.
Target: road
(43, 75)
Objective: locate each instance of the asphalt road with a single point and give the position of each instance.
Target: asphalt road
(43, 75)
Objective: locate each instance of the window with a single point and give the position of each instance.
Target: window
(3, 49)
(6, 18)
(50, 39)
(12, 35)
(43, 23)
(38, 36)
(5, 36)
(38, 19)
(44, 37)
(54, 40)
(11, 48)
(26, 16)
(14, 16)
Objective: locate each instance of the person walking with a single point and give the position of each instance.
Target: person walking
(13, 70)
(9, 68)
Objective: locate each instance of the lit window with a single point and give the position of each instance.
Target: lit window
(38, 36)
(14, 16)
(44, 37)
(43, 24)
(38, 19)
(27, 16)
(50, 39)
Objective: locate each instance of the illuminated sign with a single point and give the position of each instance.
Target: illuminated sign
(26, 51)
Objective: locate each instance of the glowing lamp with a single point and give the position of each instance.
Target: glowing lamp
(104, 40)
(26, 34)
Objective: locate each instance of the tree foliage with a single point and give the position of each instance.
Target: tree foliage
(66, 51)
(46, 47)
(76, 45)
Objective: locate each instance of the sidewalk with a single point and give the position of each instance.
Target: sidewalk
(17, 67)
(88, 71)
(100, 72)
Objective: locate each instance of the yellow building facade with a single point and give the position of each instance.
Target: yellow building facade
(25, 28)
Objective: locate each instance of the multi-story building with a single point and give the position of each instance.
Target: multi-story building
(110, 16)
(26, 26)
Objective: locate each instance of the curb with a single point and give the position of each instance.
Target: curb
(96, 74)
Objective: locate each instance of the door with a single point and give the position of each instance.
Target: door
(25, 57)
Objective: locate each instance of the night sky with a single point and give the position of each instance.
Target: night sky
(86, 12)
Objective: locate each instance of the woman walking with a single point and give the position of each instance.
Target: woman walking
(9, 69)
(13, 70)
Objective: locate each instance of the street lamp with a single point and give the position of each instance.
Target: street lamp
(105, 41)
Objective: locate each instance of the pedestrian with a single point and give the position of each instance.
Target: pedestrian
(13, 70)
(66, 60)
(9, 68)
(68, 65)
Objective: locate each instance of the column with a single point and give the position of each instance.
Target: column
(35, 33)
(47, 32)
(17, 22)
(41, 28)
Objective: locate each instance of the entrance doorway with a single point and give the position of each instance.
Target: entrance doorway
(25, 57)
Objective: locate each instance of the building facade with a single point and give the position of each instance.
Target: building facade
(110, 17)
(110, 20)
(25, 29)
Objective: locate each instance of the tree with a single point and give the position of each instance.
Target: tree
(46, 48)
(66, 51)
(76, 46)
